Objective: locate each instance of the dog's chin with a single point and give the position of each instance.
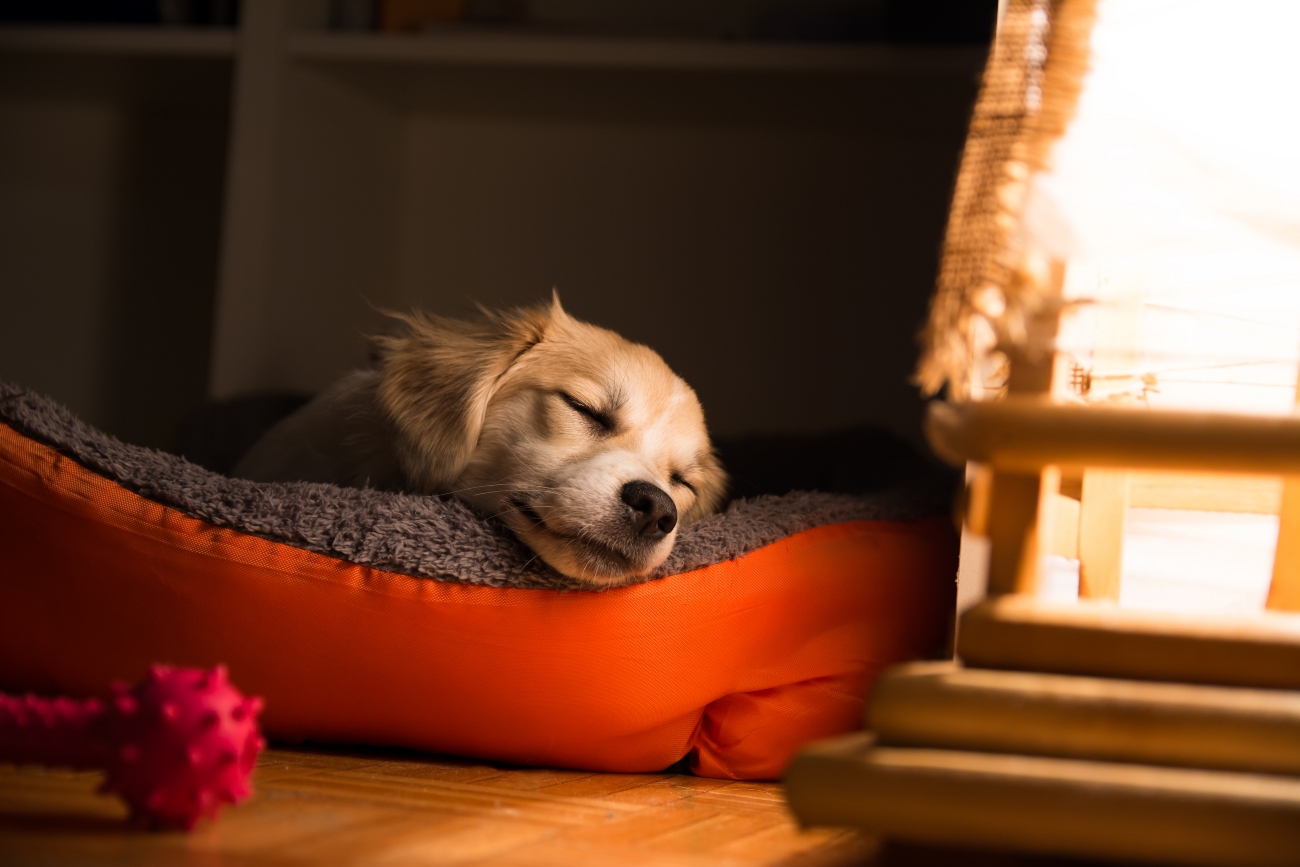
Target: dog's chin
(587, 560)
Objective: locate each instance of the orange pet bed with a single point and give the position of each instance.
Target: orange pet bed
(113, 557)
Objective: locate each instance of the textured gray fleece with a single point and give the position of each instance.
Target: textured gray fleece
(433, 537)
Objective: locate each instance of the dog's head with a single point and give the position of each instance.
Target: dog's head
(586, 445)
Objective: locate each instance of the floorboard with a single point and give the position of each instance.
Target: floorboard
(343, 807)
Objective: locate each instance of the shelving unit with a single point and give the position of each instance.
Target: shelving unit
(240, 202)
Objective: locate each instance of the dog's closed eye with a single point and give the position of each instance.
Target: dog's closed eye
(679, 479)
(603, 421)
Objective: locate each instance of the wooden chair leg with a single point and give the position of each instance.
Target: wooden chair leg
(1019, 521)
(1015, 506)
(1101, 532)
(1284, 592)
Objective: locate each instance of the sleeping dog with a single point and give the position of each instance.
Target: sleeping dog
(585, 445)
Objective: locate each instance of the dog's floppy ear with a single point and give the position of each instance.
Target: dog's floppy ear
(438, 377)
(710, 489)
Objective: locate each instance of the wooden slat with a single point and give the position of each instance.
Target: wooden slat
(1050, 806)
(1102, 511)
(1200, 492)
(1206, 492)
(941, 704)
(1100, 638)
(1022, 435)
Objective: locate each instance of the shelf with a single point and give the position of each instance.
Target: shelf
(505, 49)
(123, 41)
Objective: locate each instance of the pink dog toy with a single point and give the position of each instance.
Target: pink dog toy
(176, 746)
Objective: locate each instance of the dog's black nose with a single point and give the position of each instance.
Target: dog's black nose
(653, 512)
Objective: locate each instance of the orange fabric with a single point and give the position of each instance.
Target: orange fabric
(741, 662)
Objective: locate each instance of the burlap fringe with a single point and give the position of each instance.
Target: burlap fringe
(1027, 97)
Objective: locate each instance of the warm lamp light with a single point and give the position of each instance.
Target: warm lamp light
(1117, 324)
(1154, 262)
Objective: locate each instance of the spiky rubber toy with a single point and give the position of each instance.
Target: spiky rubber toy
(175, 746)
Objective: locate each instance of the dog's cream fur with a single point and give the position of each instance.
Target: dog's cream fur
(529, 415)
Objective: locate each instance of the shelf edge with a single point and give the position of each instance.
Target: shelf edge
(530, 50)
(139, 41)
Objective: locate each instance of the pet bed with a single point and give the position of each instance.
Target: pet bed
(379, 618)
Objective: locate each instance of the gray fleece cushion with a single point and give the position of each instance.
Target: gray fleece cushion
(431, 537)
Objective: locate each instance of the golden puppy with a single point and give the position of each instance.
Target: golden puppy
(586, 445)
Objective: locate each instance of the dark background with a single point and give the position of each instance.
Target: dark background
(772, 231)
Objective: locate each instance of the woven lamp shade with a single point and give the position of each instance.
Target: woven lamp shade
(1125, 235)
(1150, 147)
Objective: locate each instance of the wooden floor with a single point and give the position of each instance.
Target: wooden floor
(383, 808)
